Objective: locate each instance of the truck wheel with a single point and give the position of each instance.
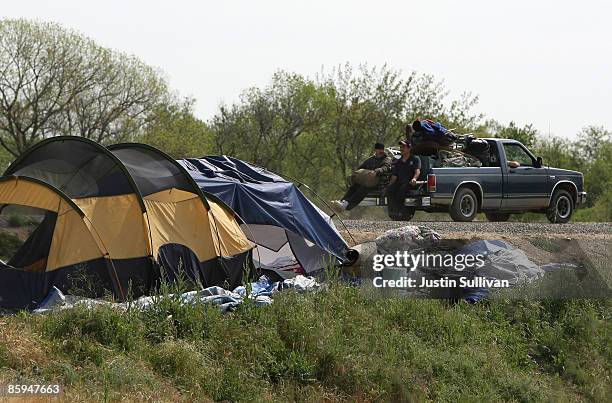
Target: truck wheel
(465, 205)
(497, 217)
(561, 207)
(405, 215)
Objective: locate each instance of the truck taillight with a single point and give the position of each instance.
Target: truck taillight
(431, 183)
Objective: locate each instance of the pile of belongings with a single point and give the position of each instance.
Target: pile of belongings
(479, 148)
(362, 177)
(260, 291)
(502, 261)
(454, 158)
(428, 131)
(410, 237)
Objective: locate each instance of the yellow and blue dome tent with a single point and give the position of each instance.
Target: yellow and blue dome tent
(113, 216)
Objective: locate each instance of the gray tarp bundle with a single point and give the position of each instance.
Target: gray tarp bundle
(502, 261)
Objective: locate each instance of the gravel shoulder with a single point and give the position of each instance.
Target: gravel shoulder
(482, 230)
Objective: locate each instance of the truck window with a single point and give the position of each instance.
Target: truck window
(493, 160)
(514, 152)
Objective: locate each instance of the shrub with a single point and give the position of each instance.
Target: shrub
(17, 220)
(339, 343)
(9, 244)
(105, 326)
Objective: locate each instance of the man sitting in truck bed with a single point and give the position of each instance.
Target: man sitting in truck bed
(404, 174)
(379, 166)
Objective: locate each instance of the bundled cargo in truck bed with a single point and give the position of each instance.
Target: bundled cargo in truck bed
(428, 131)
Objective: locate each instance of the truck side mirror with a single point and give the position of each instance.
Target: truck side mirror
(539, 162)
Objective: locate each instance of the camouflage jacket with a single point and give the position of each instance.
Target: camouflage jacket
(382, 166)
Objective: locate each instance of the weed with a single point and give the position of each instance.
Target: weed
(547, 244)
(335, 344)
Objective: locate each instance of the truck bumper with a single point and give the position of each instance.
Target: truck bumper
(418, 201)
(581, 199)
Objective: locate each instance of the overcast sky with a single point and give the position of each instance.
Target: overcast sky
(542, 62)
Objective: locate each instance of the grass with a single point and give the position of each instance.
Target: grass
(547, 244)
(336, 344)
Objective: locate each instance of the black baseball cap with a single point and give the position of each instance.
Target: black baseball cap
(379, 146)
(405, 143)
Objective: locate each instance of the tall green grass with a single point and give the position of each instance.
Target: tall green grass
(335, 344)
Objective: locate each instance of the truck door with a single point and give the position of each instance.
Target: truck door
(525, 187)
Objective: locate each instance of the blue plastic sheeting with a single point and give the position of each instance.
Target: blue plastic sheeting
(261, 292)
(474, 295)
(262, 197)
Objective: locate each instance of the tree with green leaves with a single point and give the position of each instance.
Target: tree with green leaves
(319, 130)
(526, 134)
(365, 106)
(175, 130)
(55, 81)
(598, 172)
(591, 154)
(374, 104)
(590, 140)
(557, 152)
(263, 125)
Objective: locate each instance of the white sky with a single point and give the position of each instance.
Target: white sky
(545, 62)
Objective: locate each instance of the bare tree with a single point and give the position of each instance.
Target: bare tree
(54, 81)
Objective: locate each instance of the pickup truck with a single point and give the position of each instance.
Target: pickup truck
(512, 181)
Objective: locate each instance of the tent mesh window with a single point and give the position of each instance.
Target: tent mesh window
(80, 170)
(32, 254)
(152, 171)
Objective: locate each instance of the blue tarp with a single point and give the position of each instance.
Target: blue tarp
(262, 197)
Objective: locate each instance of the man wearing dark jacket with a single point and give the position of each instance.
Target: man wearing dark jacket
(379, 166)
(404, 175)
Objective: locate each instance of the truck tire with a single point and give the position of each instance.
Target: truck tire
(465, 205)
(497, 217)
(405, 215)
(561, 207)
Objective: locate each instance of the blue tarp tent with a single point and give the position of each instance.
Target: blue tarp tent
(293, 235)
